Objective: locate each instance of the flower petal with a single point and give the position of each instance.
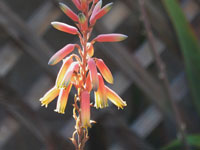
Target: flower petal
(85, 109)
(65, 27)
(62, 99)
(58, 56)
(100, 95)
(93, 74)
(90, 49)
(114, 37)
(68, 75)
(105, 71)
(88, 84)
(68, 12)
(49, 96)
(84, 5)
(83, 21)
(100, 13)
(66, 63)
(114, 98)
(94, 12)
(77, 4)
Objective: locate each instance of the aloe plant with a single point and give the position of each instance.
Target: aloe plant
(81, 71)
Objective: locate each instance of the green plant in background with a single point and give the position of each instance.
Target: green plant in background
(189, 46)
(193, 140)
(191, 52)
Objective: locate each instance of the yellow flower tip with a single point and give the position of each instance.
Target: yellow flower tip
(59, 111)
(62, 99)
(49, 96)
(92, 122)
(114, 98)
(85, 109)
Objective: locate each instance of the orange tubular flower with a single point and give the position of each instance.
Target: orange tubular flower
(90, 49)
(85, 109)
(100, 95)
(84, 5)
(77, 4)
(49, 96)
(68, 12)
(68, 75)
(100, 13)
(65, 27)
(93, 74)
(66, 63)
(96, 9)
(62, 99)
(114, 98)
(105, 71)
(110, 37)
(88, 84)
(83, 22)
(57, 57)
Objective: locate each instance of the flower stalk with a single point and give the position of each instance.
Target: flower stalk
(81, 71)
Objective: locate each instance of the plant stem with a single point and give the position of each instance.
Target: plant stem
(82, 133)
(163, 77)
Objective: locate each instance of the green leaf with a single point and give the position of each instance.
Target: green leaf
(193, 140)
(189, 47)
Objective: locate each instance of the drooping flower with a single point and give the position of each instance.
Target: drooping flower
(49, 96)
(105, 71)
(66, 63)
(93, 74)
(68, 75)
(114, 98)
(88, 84)
(62, 99)
(100, 95)
(85, 109)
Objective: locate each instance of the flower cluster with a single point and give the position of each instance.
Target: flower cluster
(83, 71)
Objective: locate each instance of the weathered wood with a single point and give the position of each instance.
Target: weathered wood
(9, 55)
(23, 35)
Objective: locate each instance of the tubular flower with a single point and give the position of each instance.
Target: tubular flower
(105, 71)
(90, 49)
(93, 74)
(68, 12)
(49, 96)
(80, 70)
(85, 109)
(100, 95)
(66, 63)
(65, 27)
(114, 98)
(62, 99)
(61, 54)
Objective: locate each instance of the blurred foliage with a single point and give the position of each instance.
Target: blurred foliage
(189, 46)
(193, 141)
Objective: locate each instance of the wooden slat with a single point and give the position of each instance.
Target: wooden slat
(9, 55)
